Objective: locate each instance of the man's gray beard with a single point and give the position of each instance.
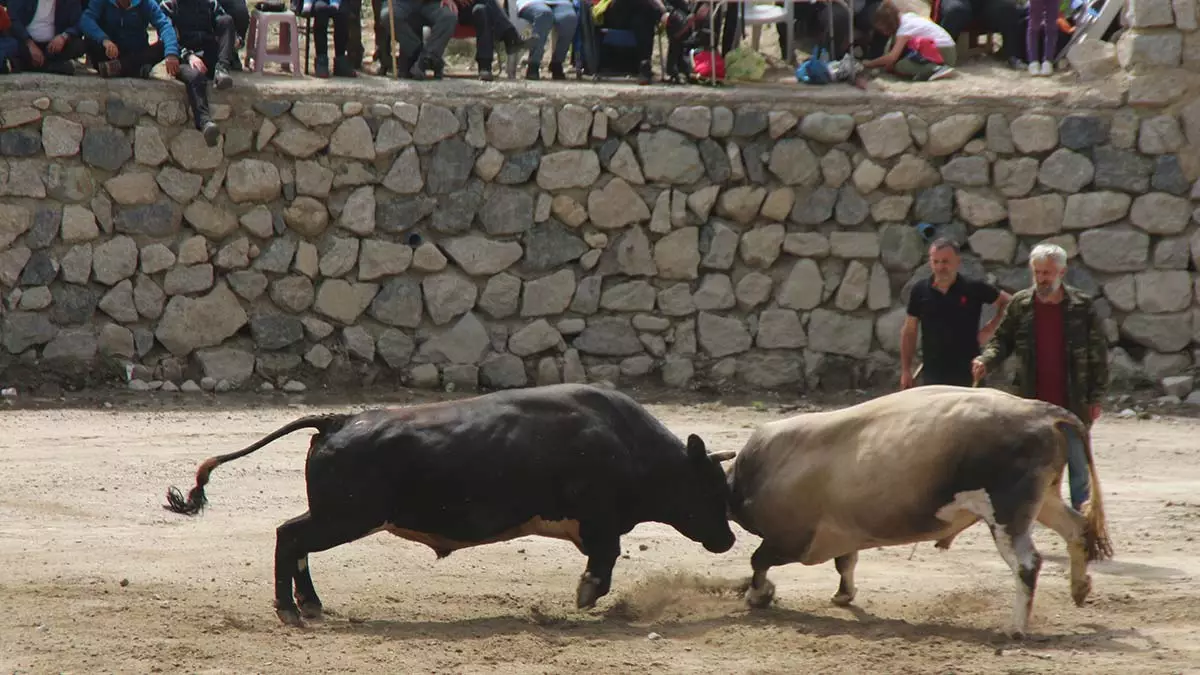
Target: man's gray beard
(1054, 286)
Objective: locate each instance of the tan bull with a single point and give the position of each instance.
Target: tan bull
(919, 465)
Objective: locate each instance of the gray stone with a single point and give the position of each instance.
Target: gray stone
(480, 256)
(61, 137)
(780, 329)
(399, 215)
(851, 208)
(695, 121)
(435, 124)
(211, 221)
(1160, 292)
(574, 122)
(1079, 132)
(778, 204)
(513, 126)
(760, 247)
(547, 372)
(587, 295)
(40, 270)
(277, 257)
(344, 301)
(20, 143)
(1161, 213)
(276, 331)
(188, 323)
(76, 265)
(852, 292)
(382, 259)
(994, 245)
(352, 139)
(879, 289)
(503, 371)
(71, 347)
(192, 153)
(813, 207)
(185, 279)
(78, 224)
(1016, 177)
(979, 209)
(115, 340)
(669, 157)
(716, 161)
(623, 163)
(700, 202)
(22, 330)
(1115, 249)
(1036, 216)
(293, 293)
(1160, 135)
(106, 149)
(316, 114)
(316, 329)
(1121, 170)
(1172, 253)
(358, 214)
(854, 244)
(886, 136)
(971, 171)
(359, 343)
(178, 185)
(447, 295)
(836, 168)
(249, 285)
(677, 372)
(901, 248)
(234, 366)
(935, 205)
(677, 255)
(722, 336)
(1162, 332)
(37, 297)
(549, 245)
(749, 122)
(148, 297)
(1034, 133)
(719, 244)
(13, 261)
(631, 296)
(449, 166)
(676, 300)
(794, 163)
(741, 203)
(827, 128)
(404, 177)
(548, 295)
(1168, 176)
(637, 366)
(574, 326)
(259, 222)
(338, 255)
(69, 183)
(1066, 171)
(518, 167)
(394, 347)
(118, 303)
(631, 254)
(567, 169)
(835, 333)
(949, 135)
(535, 338)
(307, 217)
(1091, 209)
(608, 336)
(253, 180)
(47, 222)
(803, 288)
(715, 292)
(114, 260)
(616, 205)
(158, 220)
(772, 371)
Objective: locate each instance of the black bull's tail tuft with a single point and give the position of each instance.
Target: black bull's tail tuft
(196, 499)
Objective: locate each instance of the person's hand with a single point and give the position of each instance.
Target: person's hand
(198, 63)
(666, 16)
(450, 5)
(110, 50)
(173, 65)
(906, 380)
(35, 54)
(1095, 410)
(978, 370)
(56, 45)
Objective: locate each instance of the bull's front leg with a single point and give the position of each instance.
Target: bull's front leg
(761, 591)
(845, 566)
(602, 548)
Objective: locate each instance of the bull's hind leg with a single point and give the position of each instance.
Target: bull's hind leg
(845, 567)
(602, 549)
(294, 540)
(1071, 526)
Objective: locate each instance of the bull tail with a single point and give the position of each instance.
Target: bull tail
(196, 500)
(1096, 540)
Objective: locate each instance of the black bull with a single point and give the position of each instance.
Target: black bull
(572, 462)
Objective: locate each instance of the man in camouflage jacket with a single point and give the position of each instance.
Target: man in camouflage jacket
(1061, 351)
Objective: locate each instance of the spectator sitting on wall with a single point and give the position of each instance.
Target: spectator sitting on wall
(241, 23)
(342, 13)
(120, 46)
(490, 23)
(544, 15)
(206, 36)
(417, 57)
(47, 34)
(919, 49)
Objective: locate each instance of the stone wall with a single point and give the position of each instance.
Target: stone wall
(463, 245)
(1160, 49)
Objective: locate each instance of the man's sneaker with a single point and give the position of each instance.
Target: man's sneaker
(321, 66)
(940, 72)
(556, 71)
(485, 72)
(222, 78)
(342, 68)
(532, 72)
(212, 134)
(1047, 68)
(1034, 69)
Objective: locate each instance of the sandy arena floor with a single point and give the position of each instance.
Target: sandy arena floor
(97, 577)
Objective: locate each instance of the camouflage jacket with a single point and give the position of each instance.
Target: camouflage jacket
(1087, 365)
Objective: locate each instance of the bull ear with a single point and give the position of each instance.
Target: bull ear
(696, 450)
(719, 457)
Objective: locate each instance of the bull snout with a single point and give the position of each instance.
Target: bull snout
(720, 544)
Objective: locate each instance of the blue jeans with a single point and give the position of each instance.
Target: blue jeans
(1077, 469)
(562, 17)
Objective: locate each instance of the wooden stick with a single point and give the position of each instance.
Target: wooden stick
(392, 42)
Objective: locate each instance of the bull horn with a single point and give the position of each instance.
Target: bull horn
(722, 456)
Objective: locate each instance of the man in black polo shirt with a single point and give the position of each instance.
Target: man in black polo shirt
(947, 307)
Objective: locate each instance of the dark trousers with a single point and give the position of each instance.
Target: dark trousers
(954, 377)
(130, 63)
(638, 17)
(341, 17)
(490, 22)
(411, 16)
(1000, 16)
(214, 50)
(240, 13)
(73, 49)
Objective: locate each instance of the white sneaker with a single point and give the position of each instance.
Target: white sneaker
(1047, 68)
(1033, 69)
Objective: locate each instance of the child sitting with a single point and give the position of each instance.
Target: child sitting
(919, 49)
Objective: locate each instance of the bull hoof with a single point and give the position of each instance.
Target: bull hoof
(842, 599)
(588, 591)
(759, 598)
(311, 610)
(943, 544)
(1016, 634)
(1080, 591)
(290, 617)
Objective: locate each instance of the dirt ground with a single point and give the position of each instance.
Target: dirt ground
(97, 577)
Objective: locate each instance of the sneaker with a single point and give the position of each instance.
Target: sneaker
(212, 134)
(532, 72)
(1047, 68)
(940, 72)
(485, 73)
(1034, 69)
(342, 68)
(321, 66)
(556, 71)
(222, 78)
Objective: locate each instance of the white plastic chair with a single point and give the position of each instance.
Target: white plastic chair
(762, 13)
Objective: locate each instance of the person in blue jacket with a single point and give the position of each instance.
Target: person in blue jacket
(47, 34)
(120, 46)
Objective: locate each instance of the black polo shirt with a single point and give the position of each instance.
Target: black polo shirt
(950, 326)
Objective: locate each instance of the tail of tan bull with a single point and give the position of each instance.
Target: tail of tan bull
(1096, 540)
(196, 499)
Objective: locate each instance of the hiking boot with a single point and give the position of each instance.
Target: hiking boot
(532, 72)
(556, 71)
(342, 68)
(321, 66)
(645, 73)
(438, 67)
(222, 78)
(485, 72)
(212, 133)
